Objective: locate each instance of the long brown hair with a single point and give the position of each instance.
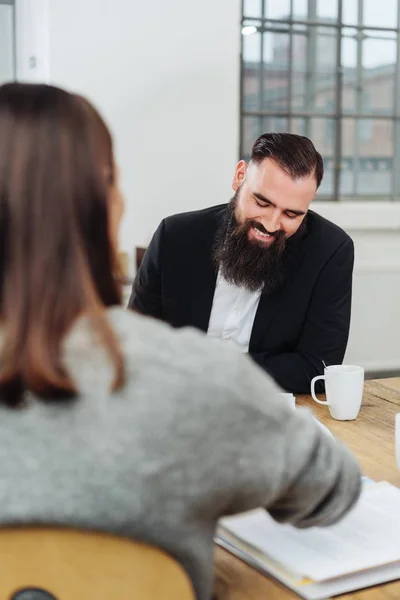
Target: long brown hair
(56, 258)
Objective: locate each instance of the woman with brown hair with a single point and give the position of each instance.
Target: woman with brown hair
(110, 420)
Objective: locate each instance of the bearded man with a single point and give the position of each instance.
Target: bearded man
(263, 273)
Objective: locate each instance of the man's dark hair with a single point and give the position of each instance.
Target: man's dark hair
(295, 154)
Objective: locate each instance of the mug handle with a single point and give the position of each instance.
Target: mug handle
(313, 394)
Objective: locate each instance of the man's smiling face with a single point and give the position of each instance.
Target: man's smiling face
(271, 200)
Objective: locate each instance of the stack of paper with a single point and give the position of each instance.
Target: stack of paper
(360, 551)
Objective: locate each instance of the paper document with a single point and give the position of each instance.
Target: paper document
(367, 538)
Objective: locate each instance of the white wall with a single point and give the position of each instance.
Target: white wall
(6, 43)
(375, 326)
(165, 75)
(32, 35)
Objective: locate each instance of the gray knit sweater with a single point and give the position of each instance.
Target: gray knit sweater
(196, 433)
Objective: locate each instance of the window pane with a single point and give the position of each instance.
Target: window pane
(274, 125)
(376, 90)
(347, 171)
(251, 71)
(299, 71)
(380, 14)
(375, 152)
(276, 61)
(252, 8)
(322, 133)
(378, 52)
(277, 10)
(322, 70)
(300, 9)
(251, 47)
(376, 14)
(252, 128)
(350, 12)
(378, 75)
(314, 70)
(6, 43)
(349, 64)
(298, 126)
(367, 159)
(276, 48)
(327, 10)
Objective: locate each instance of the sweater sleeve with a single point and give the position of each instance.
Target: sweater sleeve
(277, 457)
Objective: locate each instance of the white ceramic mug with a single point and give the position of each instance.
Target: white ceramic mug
(344, 386)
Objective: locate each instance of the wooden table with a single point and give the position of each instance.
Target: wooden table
(371, 438)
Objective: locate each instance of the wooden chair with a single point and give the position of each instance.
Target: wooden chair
(69, 564)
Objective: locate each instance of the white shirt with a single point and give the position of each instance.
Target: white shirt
(232, 315)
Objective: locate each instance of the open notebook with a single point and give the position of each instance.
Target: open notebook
(360, 551)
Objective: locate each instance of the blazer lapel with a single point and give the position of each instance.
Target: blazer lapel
(266, 310)
(204, 273)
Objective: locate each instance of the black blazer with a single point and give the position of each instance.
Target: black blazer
(297, 327)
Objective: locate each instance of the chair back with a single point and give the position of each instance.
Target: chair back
(67, 564)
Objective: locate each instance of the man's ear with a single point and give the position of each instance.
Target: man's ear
(239, 176)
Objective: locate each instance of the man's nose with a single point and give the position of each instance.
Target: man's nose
(272, 221)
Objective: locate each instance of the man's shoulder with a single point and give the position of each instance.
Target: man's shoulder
(324, 233)
(197, 219)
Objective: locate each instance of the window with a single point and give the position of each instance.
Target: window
(7, 51)
(327, 69)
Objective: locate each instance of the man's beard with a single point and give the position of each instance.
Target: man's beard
(248, 263)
